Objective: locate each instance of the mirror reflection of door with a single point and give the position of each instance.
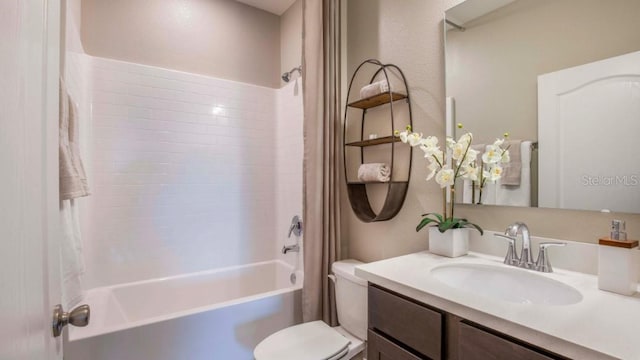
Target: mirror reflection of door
(586, 113)
(492, 68)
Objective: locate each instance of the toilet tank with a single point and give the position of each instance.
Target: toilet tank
(351, 298)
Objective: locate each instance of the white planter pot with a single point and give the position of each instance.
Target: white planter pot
(451, 243)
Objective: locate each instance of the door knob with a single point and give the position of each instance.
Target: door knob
(77, 317)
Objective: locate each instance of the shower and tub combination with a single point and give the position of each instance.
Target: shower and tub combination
(205, 314)
(195, 182)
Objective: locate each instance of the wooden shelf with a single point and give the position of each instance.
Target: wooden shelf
(372, 142)
(377, 100)
(396, 191)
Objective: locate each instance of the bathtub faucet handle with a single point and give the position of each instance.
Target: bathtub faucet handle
(296, 226)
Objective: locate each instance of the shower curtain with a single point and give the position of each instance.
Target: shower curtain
(321, 173)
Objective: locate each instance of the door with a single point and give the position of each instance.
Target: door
(588, 115)
(29, 264)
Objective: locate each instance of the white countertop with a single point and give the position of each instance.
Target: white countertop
(602, 325)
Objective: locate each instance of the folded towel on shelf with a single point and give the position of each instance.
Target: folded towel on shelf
(374, 172)
(512, 172)
(375, 88)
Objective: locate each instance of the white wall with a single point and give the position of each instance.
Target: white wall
(220, 38)
(291, 38)
(183, 173)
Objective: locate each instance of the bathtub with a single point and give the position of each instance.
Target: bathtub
(216, 314)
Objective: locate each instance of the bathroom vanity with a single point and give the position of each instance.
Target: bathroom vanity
(435, 333)
(414, 314)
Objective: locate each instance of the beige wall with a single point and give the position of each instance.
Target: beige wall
(220, 38)
(291, 38)
(492, 66)
(411, 35)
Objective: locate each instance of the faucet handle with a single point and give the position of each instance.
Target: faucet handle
(296, 226)
(512, 257)
(542, 263)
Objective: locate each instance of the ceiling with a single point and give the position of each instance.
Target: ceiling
(273, 6)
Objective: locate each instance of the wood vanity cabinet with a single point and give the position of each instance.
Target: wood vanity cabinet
(401, 328)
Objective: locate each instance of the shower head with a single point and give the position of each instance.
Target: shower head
(286, 77)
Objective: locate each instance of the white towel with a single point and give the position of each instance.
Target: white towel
(512, 173)
(73, 184)
(71, 261)
(73, 180)
(375, 88)
(374, 172)
(519, 195)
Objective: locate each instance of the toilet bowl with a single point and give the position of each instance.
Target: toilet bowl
(318, 341)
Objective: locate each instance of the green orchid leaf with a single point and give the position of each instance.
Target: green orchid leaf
(436, 215)
(426, 221)
(476, 227)
(446, 225)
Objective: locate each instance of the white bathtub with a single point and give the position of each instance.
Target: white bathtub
(217, 314)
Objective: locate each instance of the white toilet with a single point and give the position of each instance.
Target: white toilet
(318, 341)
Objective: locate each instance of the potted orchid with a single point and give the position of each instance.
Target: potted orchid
(449, 235)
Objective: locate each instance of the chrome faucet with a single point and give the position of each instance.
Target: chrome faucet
(525, 255)
(295, 229)
(296, 226)
(525, 261)
(294, 248)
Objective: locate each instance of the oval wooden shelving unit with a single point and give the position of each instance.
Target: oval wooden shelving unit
(357, 190)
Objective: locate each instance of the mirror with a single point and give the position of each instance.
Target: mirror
(564, 77)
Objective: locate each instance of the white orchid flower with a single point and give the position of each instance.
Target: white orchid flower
(470, 172)
(414, 139)
(472, 156)
(437, 155)
(493, 155)
(450, 142)
(465, 139)
(445, 177)
(403, 136)
(433, 166)
(429, 150)
(495, 173)
(505, 157)
(458, 151)
(498, 142)
(429, 141)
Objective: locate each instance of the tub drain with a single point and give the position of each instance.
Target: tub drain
(293, 278)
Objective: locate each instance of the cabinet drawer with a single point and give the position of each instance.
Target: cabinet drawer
(477, 344)
(379, 348)
(407, 322)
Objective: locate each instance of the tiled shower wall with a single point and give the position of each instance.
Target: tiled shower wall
(184, 172)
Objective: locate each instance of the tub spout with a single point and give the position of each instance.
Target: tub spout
(294, 248)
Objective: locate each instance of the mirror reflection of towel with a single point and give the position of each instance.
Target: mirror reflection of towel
(73, 179)
(512, 172)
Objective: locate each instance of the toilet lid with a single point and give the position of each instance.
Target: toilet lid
(310, 341)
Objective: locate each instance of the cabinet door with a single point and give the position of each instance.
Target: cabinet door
(379, 348)
(477, 344)
(411, 324)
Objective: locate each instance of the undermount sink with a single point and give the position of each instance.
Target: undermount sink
(512, 285)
